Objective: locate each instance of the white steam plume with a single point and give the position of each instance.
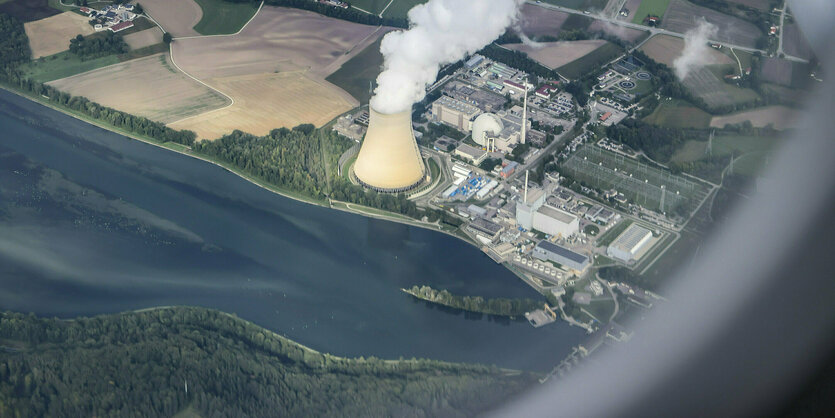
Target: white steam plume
(530, 43)
(440, 32)
(695, 48)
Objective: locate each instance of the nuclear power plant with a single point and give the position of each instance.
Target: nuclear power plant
(389, 159)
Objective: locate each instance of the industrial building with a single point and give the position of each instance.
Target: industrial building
(476, 155)
(454, 112)
(553, 221)
(486, 128)
(546, 250)
(629, 243)
(486, 229)
(389, 159)
(484, 100)
(532, 200)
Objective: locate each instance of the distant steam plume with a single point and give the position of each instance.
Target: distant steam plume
(695, 48)
(441, 32)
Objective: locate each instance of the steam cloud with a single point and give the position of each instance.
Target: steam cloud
(695, 48)
(441, 32)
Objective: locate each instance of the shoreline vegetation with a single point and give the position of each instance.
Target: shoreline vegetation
(168, 360)
(513, 308)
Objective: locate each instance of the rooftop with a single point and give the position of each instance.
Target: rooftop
(562, 251)
(557, 214)
(630, 238)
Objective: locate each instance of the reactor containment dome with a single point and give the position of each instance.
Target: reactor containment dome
(485, 126)
(389, 159)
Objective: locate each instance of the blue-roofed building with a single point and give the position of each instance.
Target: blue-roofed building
(549, 251)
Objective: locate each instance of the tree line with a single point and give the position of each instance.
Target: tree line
(98, 45)
(477, 304)
(139, 364)
(350, 14)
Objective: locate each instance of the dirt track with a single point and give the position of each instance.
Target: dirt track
(149, 87)
(176, 16)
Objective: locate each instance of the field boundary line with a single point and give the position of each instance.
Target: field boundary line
(385, 8)
(231, 100)
(227, 34)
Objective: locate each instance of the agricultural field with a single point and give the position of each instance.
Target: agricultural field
(581, 66)
(264, 102)
(795, 43)
(370, 6)
(358, 76)
(678, 114)
(400, 8)
(640, 183)
(762, 5)
(706, 84)
(778, 117)
(556, 54)
(751, 152)
(626, 34)
(650, 7)
(28, 10)
(52, 35)
(591, 5)
(176, 17)
(537, 21)
(784, 94)
(62, 64)
(149, 87)
(143, 38)
(222, 17)
(274, 70)
(680, 18)
(632, 6)
(665, 49)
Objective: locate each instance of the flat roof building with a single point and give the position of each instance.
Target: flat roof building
(476, 155)
(485, 228)
(629, 243)
(553, 221)
(546, 250)
(454, 112)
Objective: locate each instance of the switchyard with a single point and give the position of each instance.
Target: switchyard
(642, 184)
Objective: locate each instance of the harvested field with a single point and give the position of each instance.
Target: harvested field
(144, 38)
(52, 35)
(665, 49)
(779, 117)
(556, 54)
(777, 71)
(538, 21)
(715, 92)
(786, 95)
(176, 17)
(28, 10)
(250, 67)
(626, 34)
(795, 43)
(680, 17)
(264, 102)
(149, 87)
(581, 66)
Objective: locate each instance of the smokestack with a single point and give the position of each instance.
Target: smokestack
(389, 159)
(524, 116)
(526, 187)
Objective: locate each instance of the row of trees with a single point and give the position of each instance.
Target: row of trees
(138, 364)
(98, 45)
(477, 304)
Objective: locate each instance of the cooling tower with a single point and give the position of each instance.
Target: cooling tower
(389, 159)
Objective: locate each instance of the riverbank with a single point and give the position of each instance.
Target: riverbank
(184, 150)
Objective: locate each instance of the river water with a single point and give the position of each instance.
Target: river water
(92, 222)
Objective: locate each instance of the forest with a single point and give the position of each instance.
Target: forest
(160, 362)
(14, 45)
(518, 60)
(477, 304)
(657, 142)
(98, 45)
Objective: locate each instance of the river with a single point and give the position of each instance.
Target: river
(93, 222)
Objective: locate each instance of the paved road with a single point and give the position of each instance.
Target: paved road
(654, 31)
